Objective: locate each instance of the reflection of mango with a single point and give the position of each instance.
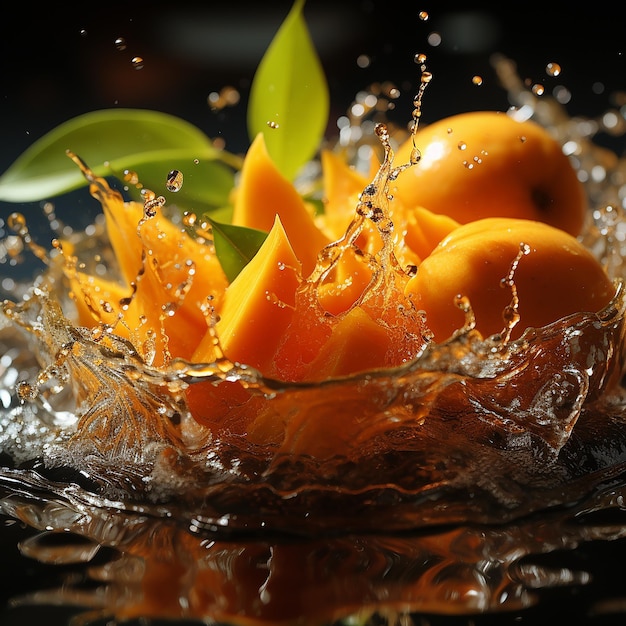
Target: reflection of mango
(485, 164)
(557, 277)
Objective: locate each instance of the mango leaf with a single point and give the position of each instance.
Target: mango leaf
(289, 100)
(235, 245)
(110, 139)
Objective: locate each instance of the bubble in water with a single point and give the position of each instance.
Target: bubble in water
(273, 124)
(120, 43)
(174, 181)
(477, 80)
(553, 69)
(423, 15)
(137, 63)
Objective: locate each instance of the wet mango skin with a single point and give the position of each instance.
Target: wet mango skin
(557, 277)
(486, 164)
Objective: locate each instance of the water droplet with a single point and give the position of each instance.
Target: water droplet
(462, 302)
(227, 96)
(423, 15)
(16, 222)
(130, 177)
(174, 181)
(189, 218)
(137, 63)
(150, 206)
(420, 58)
(169, 309)
(434, 39)
(26, 391)
(148, 195)
(538, 89)
(477, 80)
(120, 43)
(553, 69)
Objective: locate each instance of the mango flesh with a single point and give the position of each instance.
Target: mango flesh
(258, 306)
(166, 279)
(263, 193)
(557, 277)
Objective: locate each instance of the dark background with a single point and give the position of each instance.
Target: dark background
(59, 61)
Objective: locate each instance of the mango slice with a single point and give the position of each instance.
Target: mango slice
(263, 193)
(343, 186)
(167, 279)
(258, 306)
(424, 230)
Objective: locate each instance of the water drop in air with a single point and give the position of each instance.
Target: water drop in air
(174, 181)
(553, 69)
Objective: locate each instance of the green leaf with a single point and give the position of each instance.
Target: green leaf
(289, 92)
(206, 184)
(110, 139)
(235, 245)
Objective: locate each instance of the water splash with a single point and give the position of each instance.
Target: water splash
(496, 451)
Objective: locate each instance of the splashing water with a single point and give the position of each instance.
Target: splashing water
(489, 447)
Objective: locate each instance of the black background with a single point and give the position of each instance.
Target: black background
(62, 61)
(59, 61)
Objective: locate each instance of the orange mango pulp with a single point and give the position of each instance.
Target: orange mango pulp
(166, 279)
(258, 306)
(263, 193)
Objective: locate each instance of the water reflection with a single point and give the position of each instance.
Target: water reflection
(160, 568)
